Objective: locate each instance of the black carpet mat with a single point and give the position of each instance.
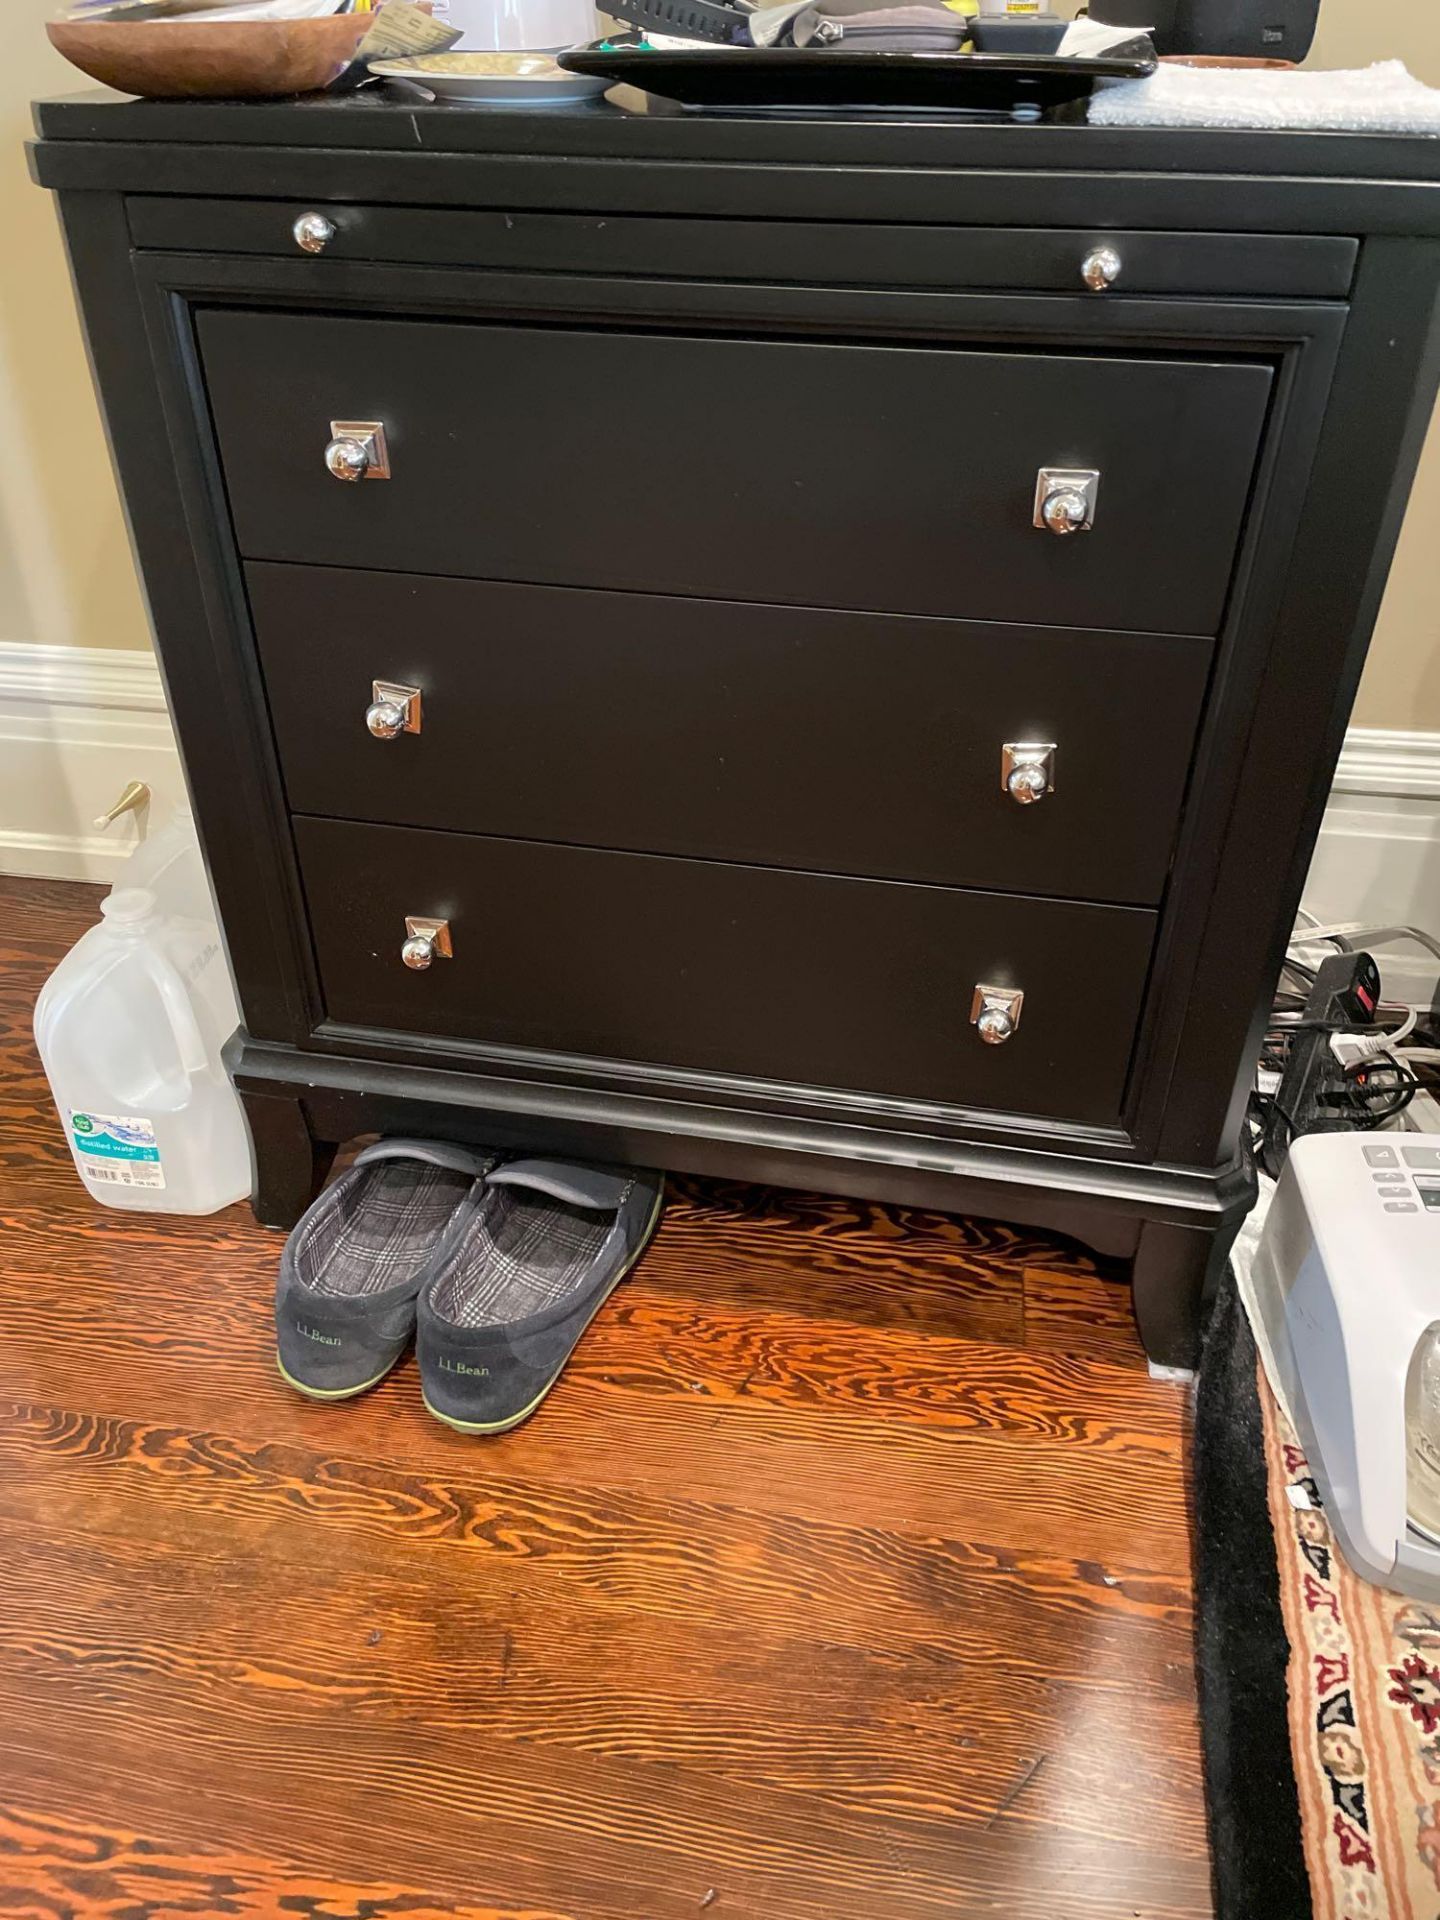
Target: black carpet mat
(1241, 1648)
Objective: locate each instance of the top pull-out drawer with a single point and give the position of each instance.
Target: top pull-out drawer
(892, 478)
(1028, 259)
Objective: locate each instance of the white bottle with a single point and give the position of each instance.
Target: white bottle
(130, 1027)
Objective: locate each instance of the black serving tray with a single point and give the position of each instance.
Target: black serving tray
(826, 78)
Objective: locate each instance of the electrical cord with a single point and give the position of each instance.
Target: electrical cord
(1372, 1042)
(1375, 1092)
(1363, 1075)
(1365, 936)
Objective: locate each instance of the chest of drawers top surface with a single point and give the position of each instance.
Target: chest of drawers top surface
(1053, 176)
(369, 121)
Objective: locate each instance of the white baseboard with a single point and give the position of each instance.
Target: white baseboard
(1376, 760)
(76, 724)
(1378, 857)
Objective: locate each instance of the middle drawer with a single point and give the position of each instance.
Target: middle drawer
(862, 744)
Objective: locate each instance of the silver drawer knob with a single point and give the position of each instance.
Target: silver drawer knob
(425, 940)
(347, 459)
(385, 718)
(357, 450)
(1064, 511)
(996, 1026)
(995, 1013)
(1027, 770)
(1027, 785)
(393, 709)
(313, 232)
(1065, 499)
(1101, 269)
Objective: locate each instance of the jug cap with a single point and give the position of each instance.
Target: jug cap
(128, 906)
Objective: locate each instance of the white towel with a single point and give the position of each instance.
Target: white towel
(1385, 98)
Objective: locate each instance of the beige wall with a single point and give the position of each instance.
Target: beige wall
(1401, 688)
(1402, 680)
(65, 573)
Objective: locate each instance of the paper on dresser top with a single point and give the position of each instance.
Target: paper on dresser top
(1385, 98)
(1091, 39)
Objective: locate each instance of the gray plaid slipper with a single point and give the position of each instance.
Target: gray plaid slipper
(538, 1251)
(351, 1270)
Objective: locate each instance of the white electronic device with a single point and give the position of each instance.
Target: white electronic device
(1347, 1281)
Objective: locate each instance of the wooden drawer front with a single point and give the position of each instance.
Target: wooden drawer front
(1030, 260)
(854, 743)
(895, 478)
(804, 978)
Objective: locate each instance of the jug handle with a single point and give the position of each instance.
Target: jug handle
(194, 1056)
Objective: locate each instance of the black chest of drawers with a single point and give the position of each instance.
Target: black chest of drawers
(808, 652)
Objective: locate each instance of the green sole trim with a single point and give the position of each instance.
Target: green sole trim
(515, 1419)
(495, 1426)
(329, 1393)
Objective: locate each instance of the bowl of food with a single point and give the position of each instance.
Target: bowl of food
(196, 57)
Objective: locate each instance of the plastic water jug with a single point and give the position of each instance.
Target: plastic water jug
(130, 1027)
(168, 862)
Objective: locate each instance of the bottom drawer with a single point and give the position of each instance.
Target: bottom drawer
(806, 978)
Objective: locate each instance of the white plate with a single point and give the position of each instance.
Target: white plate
(517, 79)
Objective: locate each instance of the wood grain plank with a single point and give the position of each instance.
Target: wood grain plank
(51, 1867)
(643, 1346)
(758, 1701)
(808, 1454)
(667, 1556)
(844, 1577)
(1075, 1310)
(453, 1815)
(865, 1262)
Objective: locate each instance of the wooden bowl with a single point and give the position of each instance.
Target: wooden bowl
(1240, 61)
(215, 59)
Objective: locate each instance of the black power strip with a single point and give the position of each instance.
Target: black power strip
(1316, 1093)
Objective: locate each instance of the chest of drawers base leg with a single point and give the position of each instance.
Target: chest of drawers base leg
(1174, 1224)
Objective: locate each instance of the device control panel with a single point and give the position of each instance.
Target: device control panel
(1406, 1178)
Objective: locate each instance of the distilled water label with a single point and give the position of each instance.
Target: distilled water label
(116, 1149)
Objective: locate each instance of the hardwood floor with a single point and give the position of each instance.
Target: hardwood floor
(845, 1576)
